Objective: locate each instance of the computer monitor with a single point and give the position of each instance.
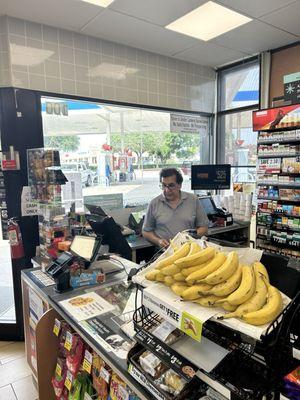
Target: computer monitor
(97, 210)
(208, 205)
(111, 234)
(211, 177)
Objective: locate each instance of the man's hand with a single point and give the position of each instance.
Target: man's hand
(163, 243)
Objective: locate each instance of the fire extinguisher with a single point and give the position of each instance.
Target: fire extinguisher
(15, 239)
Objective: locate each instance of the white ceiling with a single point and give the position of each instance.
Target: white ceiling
(140, 23)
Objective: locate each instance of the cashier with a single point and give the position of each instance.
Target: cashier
(173, 211)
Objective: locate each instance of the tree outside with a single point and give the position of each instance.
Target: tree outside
(164, 146)
(64, 143)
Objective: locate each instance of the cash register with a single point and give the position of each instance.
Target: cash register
(217, 216)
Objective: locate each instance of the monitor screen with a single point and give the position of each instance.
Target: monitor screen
(83, 246)
(97, 210)
(111, 234)
(208, 205)
(211, 177)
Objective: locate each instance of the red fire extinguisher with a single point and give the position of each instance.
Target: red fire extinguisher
(15, 239)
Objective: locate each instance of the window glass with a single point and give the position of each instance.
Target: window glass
(238, 142)
(124, 148)
(239, 86)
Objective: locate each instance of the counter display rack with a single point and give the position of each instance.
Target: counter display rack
(278, 182)
(251, 369)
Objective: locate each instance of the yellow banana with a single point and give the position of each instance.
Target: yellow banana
(151, 275)
(225, 271)
(212, 266)
(170, 270)
(168, 281)
(160, 277)
(228, 307)
(256, 301)
(178, 288)
(182, 252)
(194, 292)
(269, 311)
(246, 288)
(195, 248)
(230, 285)
(207, 301)
(187, 271)
(262, 270)
(197, 258)
(179, 277)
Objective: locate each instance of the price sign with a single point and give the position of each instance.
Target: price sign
(87, 362)
(104, 374)
(56, 328)
(58, 370)
(124, 395)
(68, 341)
(69, 380)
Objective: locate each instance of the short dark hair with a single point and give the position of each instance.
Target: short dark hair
(166, 172)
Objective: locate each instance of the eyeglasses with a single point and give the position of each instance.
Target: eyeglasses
(170, 186)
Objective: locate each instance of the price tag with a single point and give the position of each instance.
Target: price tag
(56, 328)
(58, 370)
(104, 374)
(68, 341)
(124, 395)
(69, 380)
(87, 362)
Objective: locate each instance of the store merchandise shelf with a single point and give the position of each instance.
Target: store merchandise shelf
(276, 228)
(277, 250)
(289, 185)
(226, 377)
(278, 213)
(279, 155)
(278, 173)
(272, 140)
(294, 200)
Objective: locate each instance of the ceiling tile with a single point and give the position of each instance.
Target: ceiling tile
(287, 18)
(156, 11)
(255, 8)
(211, 55)
(68, 14)
(254, 37)
(127, 30)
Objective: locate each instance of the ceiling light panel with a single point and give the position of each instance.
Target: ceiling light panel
(208, 21)
(101, 3)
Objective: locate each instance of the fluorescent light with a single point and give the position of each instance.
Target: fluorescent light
(208, 21)
(101, 3)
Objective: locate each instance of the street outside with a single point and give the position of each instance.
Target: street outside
(7, 308)
(143, 187)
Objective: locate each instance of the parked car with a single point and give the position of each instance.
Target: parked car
(86, 173)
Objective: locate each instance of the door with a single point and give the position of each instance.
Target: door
(21, 127)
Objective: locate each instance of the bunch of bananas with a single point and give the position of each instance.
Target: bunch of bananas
(213, 279)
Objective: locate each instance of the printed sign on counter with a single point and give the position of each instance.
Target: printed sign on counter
(164, 302)
(86, 306)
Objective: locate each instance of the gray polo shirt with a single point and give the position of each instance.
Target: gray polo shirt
(166, 222)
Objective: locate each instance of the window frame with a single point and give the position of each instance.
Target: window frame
(220, 131)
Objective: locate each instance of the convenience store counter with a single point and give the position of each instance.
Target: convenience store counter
(40, 309)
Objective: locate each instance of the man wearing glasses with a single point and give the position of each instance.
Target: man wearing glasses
(173, 211)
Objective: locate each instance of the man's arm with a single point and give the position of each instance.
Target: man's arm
(153, 238)
(201, 220)
(201, 230)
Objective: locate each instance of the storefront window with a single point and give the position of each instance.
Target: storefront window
(120, 150)
(239, 86)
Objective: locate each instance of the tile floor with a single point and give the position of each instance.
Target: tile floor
(15, 375)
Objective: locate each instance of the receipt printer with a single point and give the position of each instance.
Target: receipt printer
(217, 216)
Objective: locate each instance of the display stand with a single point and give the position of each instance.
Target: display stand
(278, 213)
(252, 369)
